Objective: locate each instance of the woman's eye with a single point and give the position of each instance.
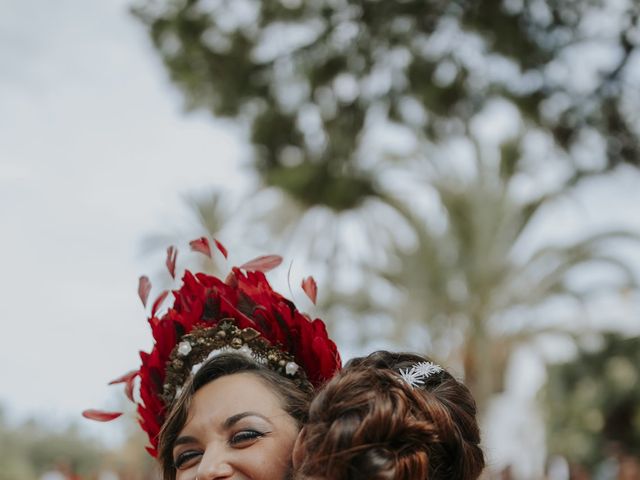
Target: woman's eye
(245, 436)
(186, 459)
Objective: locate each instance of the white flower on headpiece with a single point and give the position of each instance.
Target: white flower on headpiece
(418, 373)
(291, 368)
(184, 348)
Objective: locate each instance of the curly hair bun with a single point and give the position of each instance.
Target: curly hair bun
(368, 423)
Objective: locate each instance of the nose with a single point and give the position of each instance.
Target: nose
(214, 464)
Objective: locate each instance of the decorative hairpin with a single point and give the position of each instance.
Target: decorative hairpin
(418, 373)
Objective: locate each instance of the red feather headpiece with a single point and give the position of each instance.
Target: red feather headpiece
(240, 313)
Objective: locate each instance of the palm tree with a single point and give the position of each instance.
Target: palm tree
(458, 271)
(470, 282)
(467, 276)
(308, 100)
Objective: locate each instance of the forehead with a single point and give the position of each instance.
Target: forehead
(232, 394)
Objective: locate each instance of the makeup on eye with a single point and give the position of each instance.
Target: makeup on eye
(239, 439)
(184, 451)
(183, 459)
(241, 429)
(246, 427)
(246, 436)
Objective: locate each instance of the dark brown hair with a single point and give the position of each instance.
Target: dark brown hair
(367, 423)
(295, 400)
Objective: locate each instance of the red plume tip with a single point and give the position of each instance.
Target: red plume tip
(231, 279)
(151, 451)
(262, 264)
(144, 287)
(201, 245)
(221, 247)
(100, 416)
(127, 377)
(158, 302)
(128, 390)
(172, 255)
(310, 288)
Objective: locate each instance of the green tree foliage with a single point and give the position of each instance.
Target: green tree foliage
(593, 402)
(319, 84)
(308, 78)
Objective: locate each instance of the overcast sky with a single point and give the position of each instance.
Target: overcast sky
(95, 154)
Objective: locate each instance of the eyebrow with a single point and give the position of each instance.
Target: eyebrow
(184, 439)
(228, 423)
(233, 419)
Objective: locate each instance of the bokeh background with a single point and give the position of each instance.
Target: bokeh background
(460, 177)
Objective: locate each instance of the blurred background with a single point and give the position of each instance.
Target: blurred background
(460, 177)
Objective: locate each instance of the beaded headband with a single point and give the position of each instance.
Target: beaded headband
(211, 316)
(203, 344)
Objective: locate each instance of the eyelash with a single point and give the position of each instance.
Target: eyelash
(185, 457)
(240, 437)
(245, 436)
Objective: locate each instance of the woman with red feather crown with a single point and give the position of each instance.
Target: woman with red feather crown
(227, 385)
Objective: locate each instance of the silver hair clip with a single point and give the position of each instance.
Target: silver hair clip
(418, 373)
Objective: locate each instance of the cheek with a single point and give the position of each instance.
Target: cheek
(181, 475)
(273, 461)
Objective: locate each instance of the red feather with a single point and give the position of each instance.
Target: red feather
(100, 416)
(158, 302)
(310, 288)
(128, 389)
(172, 255)
(128, 379)
(201, 245)
(152, 451)
(262, 264)
(144, 287)
(245, 296)
(221, 248)
(231, 279)
(124, 378)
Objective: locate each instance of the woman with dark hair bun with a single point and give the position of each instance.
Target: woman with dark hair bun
(391, 416)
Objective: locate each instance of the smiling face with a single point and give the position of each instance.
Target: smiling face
(236, 429)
